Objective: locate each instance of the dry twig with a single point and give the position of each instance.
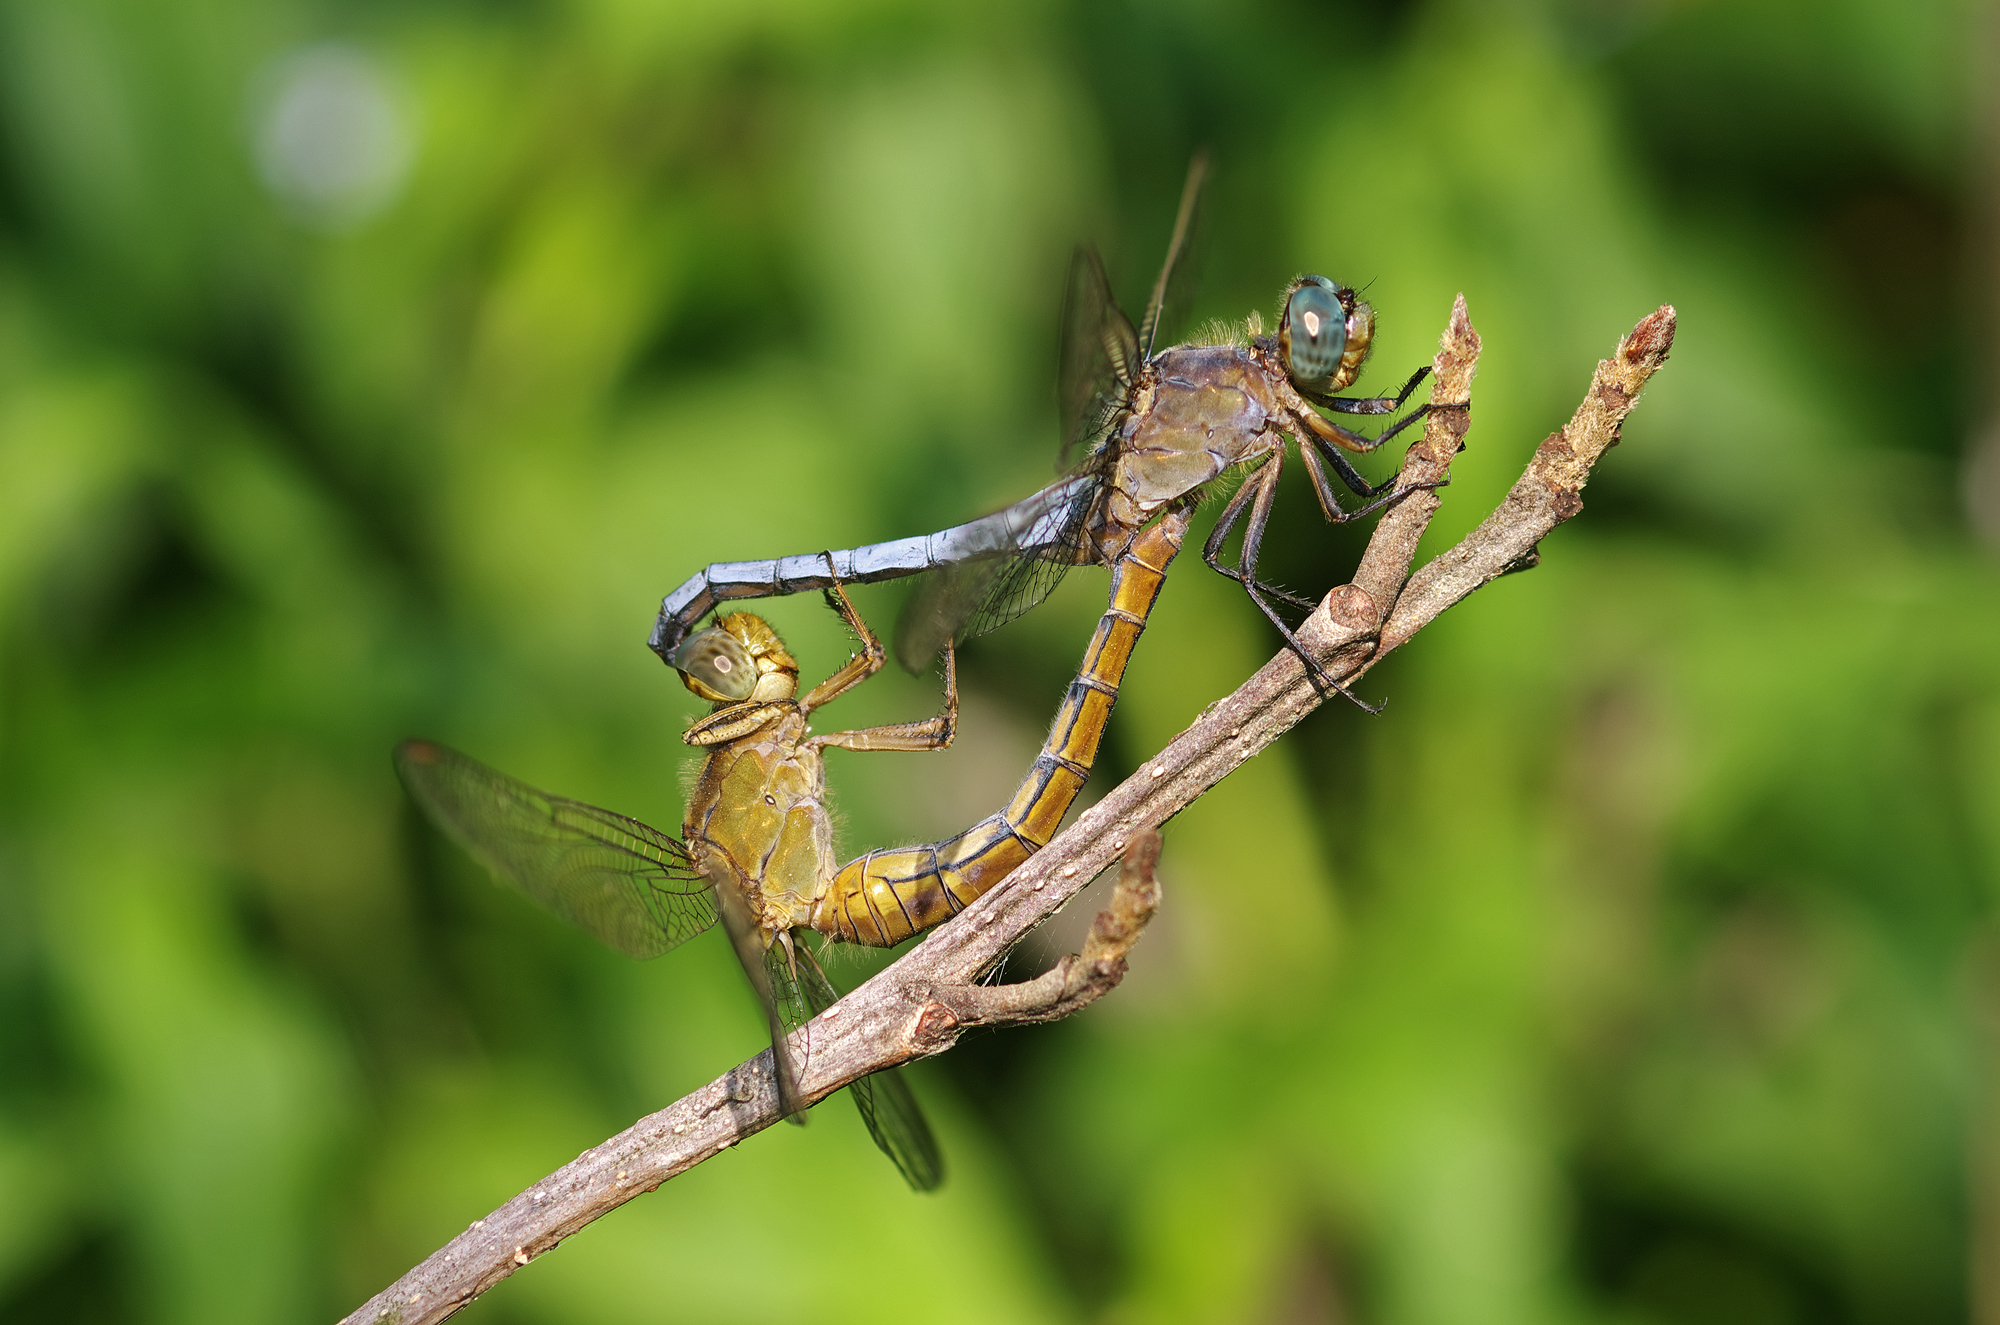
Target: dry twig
(920, 1004)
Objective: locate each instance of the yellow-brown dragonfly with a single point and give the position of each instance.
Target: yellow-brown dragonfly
(1153, 431)
(757, 841)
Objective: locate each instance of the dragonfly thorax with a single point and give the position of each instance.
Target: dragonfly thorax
(758, 810)
(1200, 410)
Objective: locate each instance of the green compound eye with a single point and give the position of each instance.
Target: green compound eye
(1313, 334)
(715, 665)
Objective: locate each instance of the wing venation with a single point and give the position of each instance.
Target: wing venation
(885, 1100)
(630, 884)
(1173, 289)
(1098, 358)
(961, 600)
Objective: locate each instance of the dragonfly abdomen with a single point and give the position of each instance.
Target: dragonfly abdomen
(886, 896)
(1032, 522)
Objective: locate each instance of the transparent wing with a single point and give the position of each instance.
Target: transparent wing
(1173, 289)
(795, 1005)
(631, 885)
(886, 1103)
(897, 1123)
(1021, 582)
(968, 598)
(777, 993)
(1098, 358)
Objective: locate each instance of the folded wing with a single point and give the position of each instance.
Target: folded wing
(886, 1103)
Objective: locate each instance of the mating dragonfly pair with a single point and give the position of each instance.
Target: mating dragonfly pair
(1152, 431)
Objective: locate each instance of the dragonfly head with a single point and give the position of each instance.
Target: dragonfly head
(1324, 334)
(738, 658)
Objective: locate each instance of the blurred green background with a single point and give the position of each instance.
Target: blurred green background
(372, 370)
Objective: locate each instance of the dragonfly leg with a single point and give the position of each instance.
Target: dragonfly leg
(1381, 494)
(858, 668)
(1326, 430)
(930, 734)
(1374, 404)
(1321, 677)
(1265, 485)
(1329, 501)
(1227, 520)
(1348, 475)
(1261, 487)
(731, 724)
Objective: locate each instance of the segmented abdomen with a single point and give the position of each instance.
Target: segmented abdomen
(886, 896)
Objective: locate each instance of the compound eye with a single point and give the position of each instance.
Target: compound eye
(1313, 334)
(714, 664)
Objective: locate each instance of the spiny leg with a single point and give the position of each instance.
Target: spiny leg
(856, 669)
(1361, 443)
(1211, 551)
(1258, 493)
(1253, 488)
(930, 734)
(1349, 475)
(1253, 543)
(1317, 455)
(1329, 501)
(732, 723)
(1373, 404)
(1380, 494)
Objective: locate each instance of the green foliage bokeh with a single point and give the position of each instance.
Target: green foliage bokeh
(1635, 966)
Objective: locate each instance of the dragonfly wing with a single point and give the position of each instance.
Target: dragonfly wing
(944, 600)
(1097, 361)
(887, 1104)
(964, 599)
(783, 992)
(764, 967)
(629, 884)
(1021, 583)
(897, 1123)
(1173, 290)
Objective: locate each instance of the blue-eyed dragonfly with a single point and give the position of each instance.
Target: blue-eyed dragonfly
(1148, 433)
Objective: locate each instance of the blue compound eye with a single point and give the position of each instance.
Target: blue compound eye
(716, 666)
(1313, 333)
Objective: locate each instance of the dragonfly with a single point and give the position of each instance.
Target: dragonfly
(1143, 433)
(756, 847)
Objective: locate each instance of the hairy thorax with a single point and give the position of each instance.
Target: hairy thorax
(1202, 409)
(759, 810)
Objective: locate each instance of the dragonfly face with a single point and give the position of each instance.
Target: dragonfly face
(738, 660)
(1324, 335)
